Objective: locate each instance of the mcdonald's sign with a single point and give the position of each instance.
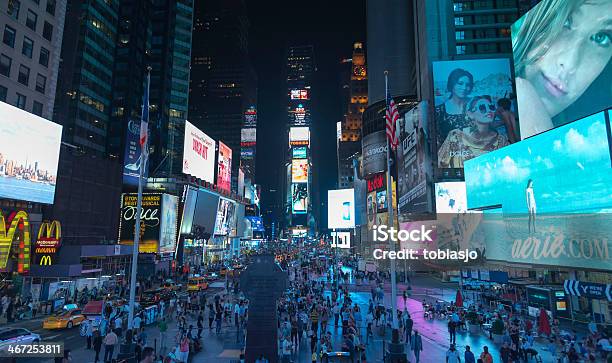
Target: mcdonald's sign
(48, 242)
(17, 222)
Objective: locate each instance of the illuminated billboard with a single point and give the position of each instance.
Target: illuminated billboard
(248, 136)
(299, 152)
(250, 117)
(299, 94)
(374, 149)
(29, 154)
(341, 208)
(470, 119)
(299, 198)
(224, 171)
(225, 221)
(132, 154)
(299, 171)
(150, 220)
(450, 197)
(547, 199)
(299, 136)
(198, 154)
(169, 221)
(562, 63)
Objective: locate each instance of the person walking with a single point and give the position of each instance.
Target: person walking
(452, 330)
(211, 316)
(219, 318)
(200, 325)
(468, 356)
(409, 325)
(452, 355)
(416, 344)
(97, 344)
(485, 356)
(110, 340)
(163, 328)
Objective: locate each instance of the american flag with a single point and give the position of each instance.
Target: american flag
(392, 115)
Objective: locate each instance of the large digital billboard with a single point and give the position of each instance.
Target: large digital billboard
(547, 199)
(224, 171)
(248, 136)
(198, 154)
(299, 171)
(150, 221)
(29, 154)
(299, 136)
(472, 109)
(450, 197)
(415, 174)
(298, 152)
(169, 220)
(374, 147)
(562, 63)
(299, 198)
(341, 208)
(299, 94)
(225, 221)
(132, 154)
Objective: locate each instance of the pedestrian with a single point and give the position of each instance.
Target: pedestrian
(469, 355)
(97, 344)
(118, 325)
(211, 316)
(219, 318)
(485, 356)
(505, 353)
(452, 329)
(163, 328)
(409, 325)
(137, 322)
(200, 324)
(110, 340)
(88, 332)
(452, 355)
(417, 345)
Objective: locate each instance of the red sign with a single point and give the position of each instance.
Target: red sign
(376, 183)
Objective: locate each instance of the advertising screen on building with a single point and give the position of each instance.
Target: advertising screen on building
(132, 154)
(150, 221)
(299, 171)
(190, 198)
(562, 63)
(198, 154)
(415, 173)
(29, 154)
(226, 217)
(299, 198)
(341, 208)
(256, 223)
(250, 117)
(224, 171)
(381, 201)
(341, 239)
(547, 198)
(205, 212)
(299, 94)
(471, 109)
(374, 147)
(450, 197)
(299, 136)
(169, 219)
(299, 152)
(248, 136)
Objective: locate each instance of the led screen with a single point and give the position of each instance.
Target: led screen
(341, 208)
(132, 154)
(299, 198)
(299, 152)
(549, 193)
(224, 173)
(299, 134)
(29, 154)
(299, 94)
(299, 171)
(451, 198)
(225, 220)
(167, 234)
(150, 221)
(562, 63)
(198, 154)
(472, 109)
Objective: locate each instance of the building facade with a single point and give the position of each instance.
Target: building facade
(30, 53)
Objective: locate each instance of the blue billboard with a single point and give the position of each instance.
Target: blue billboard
(132, 154)
(548, 198)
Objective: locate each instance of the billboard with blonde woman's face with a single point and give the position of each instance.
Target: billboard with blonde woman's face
(562, 52)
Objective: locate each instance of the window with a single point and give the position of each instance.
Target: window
(13, 8)
(3, 92)
(31, 20)
(24, 75)
(5, 65)
(37, 108)
(51, 7)
(28, 47)
(459, 35)
(47, 31)
(460, 49)
(9, 36)
(43, 59)
(41, 83)
(459, 20)
(21, 101)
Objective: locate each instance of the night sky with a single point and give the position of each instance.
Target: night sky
(332, 27)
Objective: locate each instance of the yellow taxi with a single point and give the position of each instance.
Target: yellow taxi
(197, 283)
(64, 319)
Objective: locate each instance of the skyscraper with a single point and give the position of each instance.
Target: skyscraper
(349, 144)
(223, 91)
(30, 53)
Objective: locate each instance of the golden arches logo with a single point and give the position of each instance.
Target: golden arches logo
(45, 260)
(50, 230)
(7, 237)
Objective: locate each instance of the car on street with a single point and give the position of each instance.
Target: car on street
(65, 319)
(12, 336)
(197, 283)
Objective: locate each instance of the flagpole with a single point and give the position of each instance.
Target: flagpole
(143, 156)
(392, 223)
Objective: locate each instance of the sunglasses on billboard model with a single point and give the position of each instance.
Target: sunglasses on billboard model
(484, 109)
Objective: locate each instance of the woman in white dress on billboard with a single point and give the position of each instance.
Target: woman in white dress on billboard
(531, 205)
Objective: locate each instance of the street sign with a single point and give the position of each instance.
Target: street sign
(588, 289)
